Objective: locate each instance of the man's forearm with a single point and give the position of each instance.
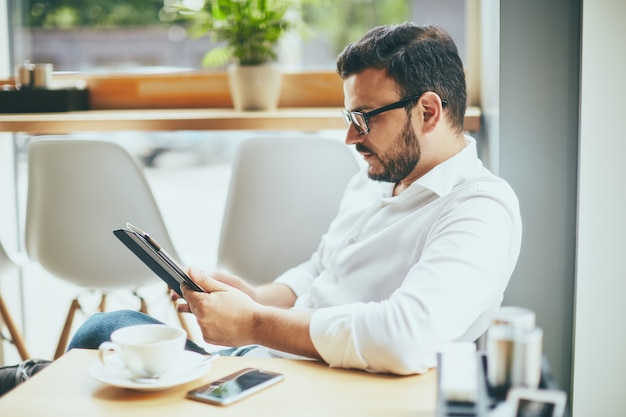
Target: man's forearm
(276, 295)
(284, 330)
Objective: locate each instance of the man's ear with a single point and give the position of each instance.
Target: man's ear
(430, 110)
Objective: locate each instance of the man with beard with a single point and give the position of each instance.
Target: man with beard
(421, 250)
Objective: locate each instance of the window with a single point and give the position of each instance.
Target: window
(118, 35)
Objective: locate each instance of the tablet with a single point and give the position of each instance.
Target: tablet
(155, 257)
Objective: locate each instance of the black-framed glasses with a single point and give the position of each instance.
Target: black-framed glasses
(359, 119)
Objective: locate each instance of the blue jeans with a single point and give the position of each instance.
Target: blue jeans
(98, 329)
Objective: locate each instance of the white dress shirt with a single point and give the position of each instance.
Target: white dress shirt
(396, 278)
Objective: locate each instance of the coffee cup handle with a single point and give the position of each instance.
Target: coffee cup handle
(105, 352)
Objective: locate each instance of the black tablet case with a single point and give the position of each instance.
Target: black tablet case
(149, 256)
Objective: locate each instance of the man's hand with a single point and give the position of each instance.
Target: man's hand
(230, 280)
(224, 312)
(229, 315)
(277, 295)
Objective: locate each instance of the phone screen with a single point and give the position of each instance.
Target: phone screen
(235, 386)
(530, 408)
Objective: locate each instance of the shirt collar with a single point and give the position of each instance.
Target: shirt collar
(442, 178)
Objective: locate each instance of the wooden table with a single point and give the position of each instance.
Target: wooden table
(310, 388)
(301, 119)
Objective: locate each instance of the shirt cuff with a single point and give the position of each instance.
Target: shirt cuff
(296, 280)
(331, 330)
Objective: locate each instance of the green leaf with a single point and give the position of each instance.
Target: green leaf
(216, 57)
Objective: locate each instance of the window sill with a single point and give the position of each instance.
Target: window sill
(198, 100)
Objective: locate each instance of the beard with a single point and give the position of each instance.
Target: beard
(399, 160)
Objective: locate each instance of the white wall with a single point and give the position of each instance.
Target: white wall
(490, 84)
(600, 333)
(538, 155)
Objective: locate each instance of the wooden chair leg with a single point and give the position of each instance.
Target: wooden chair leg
(16, 336)
(181, 319)
(65, 333)
(103, 303)
(181, 316)
(143, 307)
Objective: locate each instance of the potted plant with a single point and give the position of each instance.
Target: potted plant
(247, 33)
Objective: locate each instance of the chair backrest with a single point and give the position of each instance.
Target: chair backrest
(6, 262)
(283, 194)
(79, 191)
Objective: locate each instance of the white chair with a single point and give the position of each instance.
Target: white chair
(79, 191)
(7, 263)
(283, 194)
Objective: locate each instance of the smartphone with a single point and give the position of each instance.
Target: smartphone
(235, 386)
(529, 402)
(155, 257)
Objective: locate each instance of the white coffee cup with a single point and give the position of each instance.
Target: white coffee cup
(144, 351)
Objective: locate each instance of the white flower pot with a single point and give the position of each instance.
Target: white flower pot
(254, 87)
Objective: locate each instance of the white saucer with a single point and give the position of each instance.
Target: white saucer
(190, 366)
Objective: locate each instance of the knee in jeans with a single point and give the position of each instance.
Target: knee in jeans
(98, 328)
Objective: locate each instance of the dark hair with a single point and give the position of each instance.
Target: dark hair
(417, 58)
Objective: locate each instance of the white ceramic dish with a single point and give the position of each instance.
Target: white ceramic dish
(190, 366)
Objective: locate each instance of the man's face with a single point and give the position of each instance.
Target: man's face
(391, 147)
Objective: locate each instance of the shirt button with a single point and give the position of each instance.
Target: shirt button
(351, 240)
